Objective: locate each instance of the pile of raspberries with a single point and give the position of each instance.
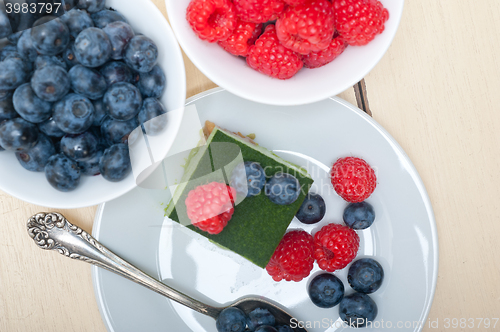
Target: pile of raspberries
(279, 37)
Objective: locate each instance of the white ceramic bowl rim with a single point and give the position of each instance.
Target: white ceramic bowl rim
(306, 87)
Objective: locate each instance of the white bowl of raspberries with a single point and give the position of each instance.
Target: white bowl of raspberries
(77, 92)
(285, 52)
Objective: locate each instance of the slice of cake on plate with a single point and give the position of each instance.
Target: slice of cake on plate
(252, 225)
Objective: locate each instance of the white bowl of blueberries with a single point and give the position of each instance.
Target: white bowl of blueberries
(74, 88)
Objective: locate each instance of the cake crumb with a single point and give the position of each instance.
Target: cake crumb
(208, 128)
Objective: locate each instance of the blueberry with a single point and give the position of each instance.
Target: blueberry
(282, 189)
(357, 310)
(25, 47)
(152, 116)
(258, 317)
(102, 143)
(133, 136)
(91, 167)
(50, 128)
(106, 16)
(92, 47)
(284, 328)
(135, 76)
(57, 144)
(48, 60)
(50, 83)
(231, 320)
(99, 112)
(120, 34)
(87, 82)
(248, 178)
(10, 47)
(69, 56)
(29, 106)
(80, 147)
(28, 65)
(74, 114)
(5, 27)
(326, 290)
(141, 54)
(115, 131)
(359, 215)
(5, 94)
(14, 38)
(13, 73)
(18, 134)
(115, 163)
(36, 158)
(116, 72)
(312, 210)
(9, 50)
(123, 101)
(365, 275)
(62, 173)
(92, 6)
(77, 20)
(152, 84)
(266, 328)
(7, 110)
(70, 4)
(50, 38)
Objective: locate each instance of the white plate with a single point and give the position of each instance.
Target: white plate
(307, 86)
(403, 238)
(32, 187)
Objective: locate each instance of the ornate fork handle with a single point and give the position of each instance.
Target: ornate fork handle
(52, 231)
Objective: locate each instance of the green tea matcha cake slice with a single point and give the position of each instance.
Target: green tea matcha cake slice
(257, 224)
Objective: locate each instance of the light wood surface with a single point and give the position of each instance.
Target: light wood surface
(436, 91)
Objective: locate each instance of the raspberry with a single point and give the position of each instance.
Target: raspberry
(210, 206)
(269, 57)
(211, 20)
(259, 11)
(242, 38)
(321, 58)
(353, 179)
(294, 2)
(293, 259)
(307, 27)
(359, 21)
(335, 246)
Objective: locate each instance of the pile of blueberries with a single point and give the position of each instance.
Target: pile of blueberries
(233, 319)
(73, 89)
(365, 276)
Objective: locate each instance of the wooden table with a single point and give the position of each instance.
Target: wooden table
(437, 92)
